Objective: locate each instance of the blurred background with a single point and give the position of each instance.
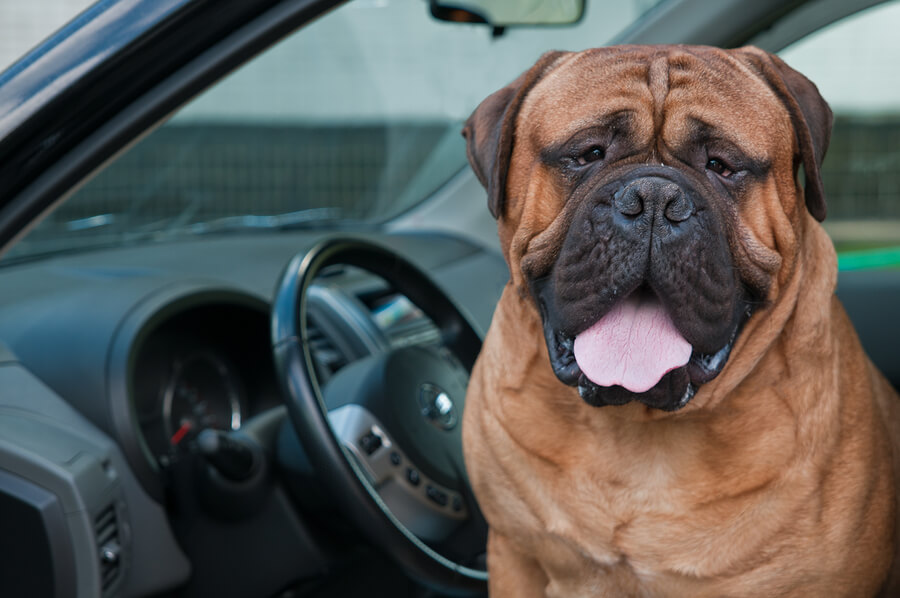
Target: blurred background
(328, 125)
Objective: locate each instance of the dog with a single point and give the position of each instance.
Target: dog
(670, 400)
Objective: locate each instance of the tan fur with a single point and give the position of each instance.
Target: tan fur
(777, 479)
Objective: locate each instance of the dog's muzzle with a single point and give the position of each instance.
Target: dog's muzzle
(642, 302)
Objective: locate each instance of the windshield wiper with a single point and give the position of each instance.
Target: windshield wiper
(95, 221)
(285, 221)
(104, 231)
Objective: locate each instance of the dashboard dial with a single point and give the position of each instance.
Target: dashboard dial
(201, 393)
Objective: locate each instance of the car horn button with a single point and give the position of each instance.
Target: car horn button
(437, 406)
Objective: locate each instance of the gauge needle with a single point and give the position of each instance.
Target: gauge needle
(179, 434)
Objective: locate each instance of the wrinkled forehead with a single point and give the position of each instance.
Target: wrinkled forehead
(661, 88)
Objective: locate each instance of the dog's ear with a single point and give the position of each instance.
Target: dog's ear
(811, 116)
(489, 131)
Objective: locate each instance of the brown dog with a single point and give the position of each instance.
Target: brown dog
(730, 438)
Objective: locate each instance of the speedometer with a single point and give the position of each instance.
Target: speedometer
(201, 393)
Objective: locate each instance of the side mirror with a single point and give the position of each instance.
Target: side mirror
(509, 13)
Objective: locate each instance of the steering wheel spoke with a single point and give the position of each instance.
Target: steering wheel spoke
(430, 510)
(364, 439)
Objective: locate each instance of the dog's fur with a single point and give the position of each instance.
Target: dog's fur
(777, 477)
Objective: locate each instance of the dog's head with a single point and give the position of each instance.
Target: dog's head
(648, 202)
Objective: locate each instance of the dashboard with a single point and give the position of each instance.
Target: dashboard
(141, 348)
(209, 365)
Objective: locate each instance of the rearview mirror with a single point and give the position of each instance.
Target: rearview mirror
(509, 13)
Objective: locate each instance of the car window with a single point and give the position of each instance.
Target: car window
(854, 64)
(353, 119)
(23, 25)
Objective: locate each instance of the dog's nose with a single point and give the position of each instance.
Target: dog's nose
(653, 195)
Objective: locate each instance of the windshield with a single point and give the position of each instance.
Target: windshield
(349, 122)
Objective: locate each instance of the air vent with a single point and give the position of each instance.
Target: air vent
(416, 331)
(326, 355)
(107, 531)
(403, 322)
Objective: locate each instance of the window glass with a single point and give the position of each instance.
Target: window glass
(23, 25)
(354, 118)
(854, 64)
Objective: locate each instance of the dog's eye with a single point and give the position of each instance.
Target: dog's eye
(719, 167)
(594, 154)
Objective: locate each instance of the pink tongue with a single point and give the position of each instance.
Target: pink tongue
(633, 346)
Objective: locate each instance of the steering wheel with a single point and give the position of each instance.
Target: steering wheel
(384, 435)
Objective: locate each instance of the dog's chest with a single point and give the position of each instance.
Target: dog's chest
(637, 517)
(595, 513)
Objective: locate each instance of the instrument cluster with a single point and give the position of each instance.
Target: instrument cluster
(206, 367)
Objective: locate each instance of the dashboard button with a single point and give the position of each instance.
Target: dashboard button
(370, 443)
(456, 503)
(395, 458)
(413, 476)
(436, 495)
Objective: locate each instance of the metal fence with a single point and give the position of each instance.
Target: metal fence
(862, 168)
(210, 171)
(205, 172)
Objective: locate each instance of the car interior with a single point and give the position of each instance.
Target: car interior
(245, 294)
